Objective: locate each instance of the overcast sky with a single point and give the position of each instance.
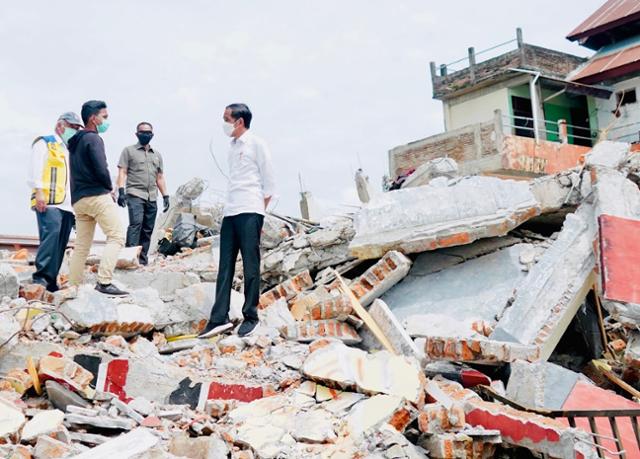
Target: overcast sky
(333, 85)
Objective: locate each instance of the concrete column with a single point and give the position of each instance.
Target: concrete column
(520, 42)
(432, 68)
(519, 37)
(306, 205)
(472, 64)
(562, 131)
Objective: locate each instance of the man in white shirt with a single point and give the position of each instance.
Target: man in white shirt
(51, 198)
(250, 188)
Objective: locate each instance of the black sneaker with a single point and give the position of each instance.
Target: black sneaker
(212, 329)
(110, 289)
(248, 327)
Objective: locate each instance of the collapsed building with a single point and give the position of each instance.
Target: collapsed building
(487, 306)
(404, 330)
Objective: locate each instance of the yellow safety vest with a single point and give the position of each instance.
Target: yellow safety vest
(54, 174)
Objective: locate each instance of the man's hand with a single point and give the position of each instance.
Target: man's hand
(166, 203)
(122, 198)
(41, 203)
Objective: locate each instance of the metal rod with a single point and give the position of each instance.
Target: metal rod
(572, 421)
(616, 433)
(594, 429)
(634, 424)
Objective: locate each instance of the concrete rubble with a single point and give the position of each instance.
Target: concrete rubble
(467, 320)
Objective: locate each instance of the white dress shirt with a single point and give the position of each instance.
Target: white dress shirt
(250, 176)
(39, 153)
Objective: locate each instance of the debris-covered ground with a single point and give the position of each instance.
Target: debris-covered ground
(455, 317)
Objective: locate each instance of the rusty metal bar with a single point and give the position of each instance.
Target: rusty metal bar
(596, 440)
(634, 423)
(616, 433)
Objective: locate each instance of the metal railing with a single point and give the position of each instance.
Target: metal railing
(467, 61)
(550, 127)
(614, 416)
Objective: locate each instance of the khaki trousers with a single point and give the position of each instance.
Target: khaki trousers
(89, 211)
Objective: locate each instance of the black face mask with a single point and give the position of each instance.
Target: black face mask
(144, 137)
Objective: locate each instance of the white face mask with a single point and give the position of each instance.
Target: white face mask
(228, 128)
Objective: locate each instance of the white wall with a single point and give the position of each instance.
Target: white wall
(470, 110)
(620, 130)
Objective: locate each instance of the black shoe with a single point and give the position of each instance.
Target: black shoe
(110, 289)
(248, 327)
(215, 329)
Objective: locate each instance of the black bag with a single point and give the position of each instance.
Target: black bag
(185, 230)
(167, 248)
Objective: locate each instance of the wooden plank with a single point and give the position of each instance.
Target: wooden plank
(364, 315)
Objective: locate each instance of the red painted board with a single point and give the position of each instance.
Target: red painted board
(239, 392)
(620, 258)
(586, 396)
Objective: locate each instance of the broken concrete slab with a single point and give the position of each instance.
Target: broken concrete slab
(123, 447)
(462, 212)
(400, 340)
(553, 192)
(104, 316)
(477, 289)
(9, 328)
(210, 447)
(315, 426)
(101, 422)
(541, 385)
(9, 282)
(318, 249)
(127, 378)
(368, 415)
(439, 167)
(19, 354)
(379, 278)
(128, 257)
(164, 282)
(61, 397)
(44, 423)
(559, 281)
(277, 315)
(607, 154)
(342, 367)
(50, 448)
(11, 418)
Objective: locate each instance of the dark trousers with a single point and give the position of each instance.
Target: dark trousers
(239, 233)
(142, 218)
(54, 228)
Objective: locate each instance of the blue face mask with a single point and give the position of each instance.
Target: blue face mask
(102, 128)
(67, 134)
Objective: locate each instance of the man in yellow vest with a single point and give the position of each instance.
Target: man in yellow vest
(51, 198)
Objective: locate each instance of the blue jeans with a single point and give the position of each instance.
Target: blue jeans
(54, 228)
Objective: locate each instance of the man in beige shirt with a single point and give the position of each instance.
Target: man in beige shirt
(141, 169)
